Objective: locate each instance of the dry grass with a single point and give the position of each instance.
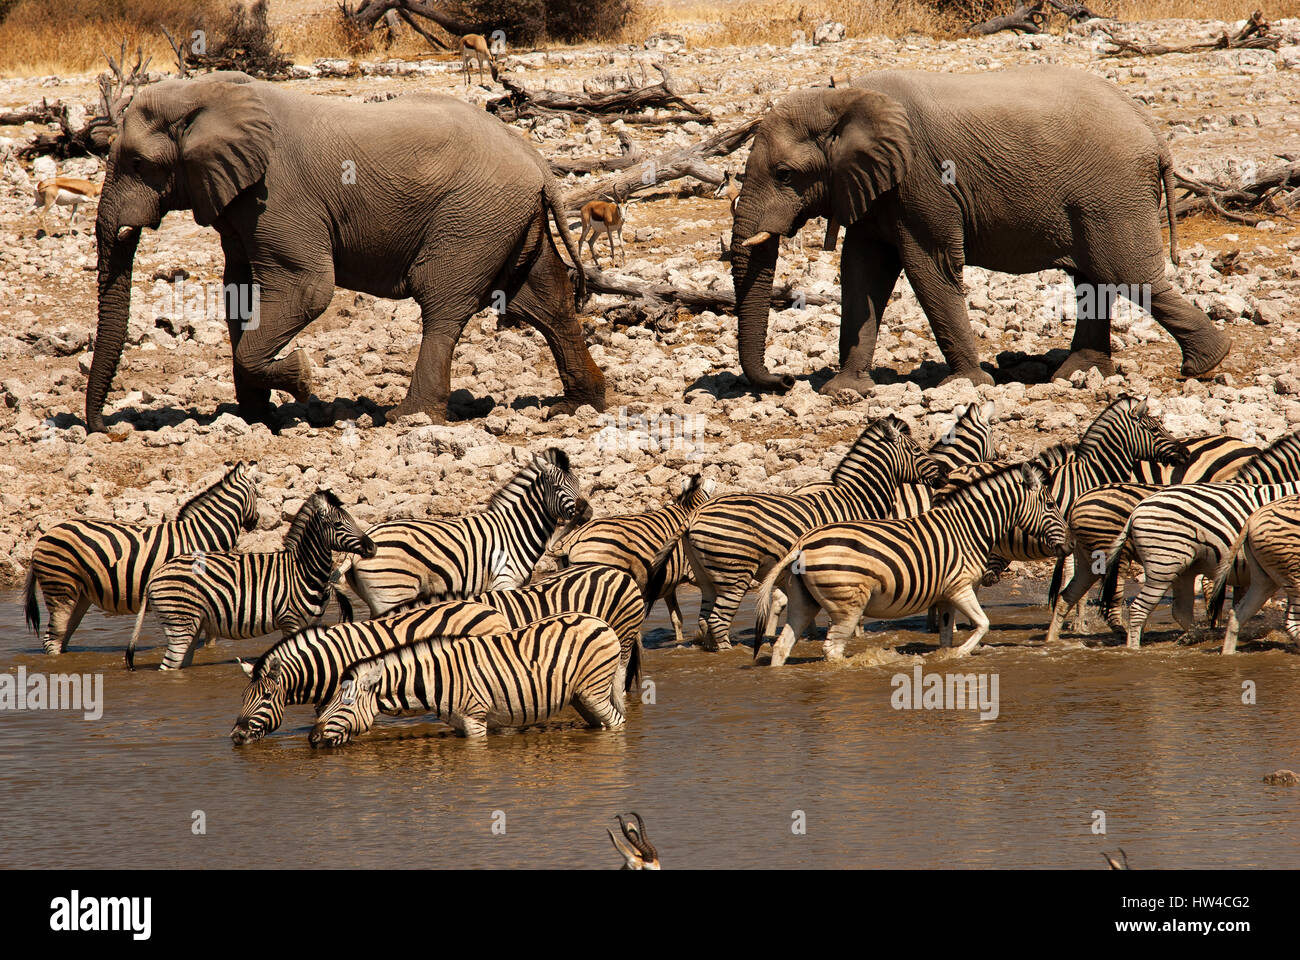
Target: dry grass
(57, 37)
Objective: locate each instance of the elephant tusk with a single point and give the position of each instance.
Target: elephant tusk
(756, 239)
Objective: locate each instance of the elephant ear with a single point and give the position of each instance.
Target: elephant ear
(869, 150)
(225, 144)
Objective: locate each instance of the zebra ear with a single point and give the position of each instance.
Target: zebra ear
(1031, 474)
(709, 484)
(1141, 409)
(245, 666)
(369, 676)
(272, 670)
(686, 485)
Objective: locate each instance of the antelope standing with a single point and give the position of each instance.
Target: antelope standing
(729, 188)
(638, 853)
(474, 47)
(609, 213)
(67, 192)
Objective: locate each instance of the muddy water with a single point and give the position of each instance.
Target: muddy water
(718, 764)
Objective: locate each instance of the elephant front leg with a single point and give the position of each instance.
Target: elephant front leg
(237, 292)
(939, 290)
(1204, 345)
(279, 309)
(1091, 345)
(868, 272)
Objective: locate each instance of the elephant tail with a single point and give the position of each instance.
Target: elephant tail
(1167, 177)
(555, 204)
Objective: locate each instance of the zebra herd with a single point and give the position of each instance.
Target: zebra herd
(460, 629)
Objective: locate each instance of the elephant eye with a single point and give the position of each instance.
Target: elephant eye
(782, 174)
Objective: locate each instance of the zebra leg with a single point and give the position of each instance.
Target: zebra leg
(674, 613)
(1293, 614)
(182, 639)
(967, 603)
(842, 628)
(1151, 593)
(1184, 604)
(65, 617)
(946, 623)
(597, 705)
(1261, 588)
(801, 611)
(472, 727)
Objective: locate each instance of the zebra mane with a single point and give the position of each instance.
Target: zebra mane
(1052, 457)
(875, 431)
(193, 503)
(516, 486)
(1092, 437)
(964, 487)
(305, 513)
(1276, 463)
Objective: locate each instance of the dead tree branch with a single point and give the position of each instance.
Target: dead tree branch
(521, 102)
(1272, 193)
(1253, 36)
(693, 299)
(683, 162)
(631, 154)
(1031, 18)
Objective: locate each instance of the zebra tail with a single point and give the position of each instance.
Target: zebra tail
(765, 591)
(1054, 588)
(345, 606)
(33, 607)
(1220, 588)
(633, 678)
(659, 572)
(1110, 584)
(135, 634)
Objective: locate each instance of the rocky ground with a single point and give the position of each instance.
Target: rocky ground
(171, 414)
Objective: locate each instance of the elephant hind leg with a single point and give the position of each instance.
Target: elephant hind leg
(545, 301)
(936, 280)
(1091, 344)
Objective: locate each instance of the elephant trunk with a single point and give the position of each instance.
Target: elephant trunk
(116, 260)
(752, 269)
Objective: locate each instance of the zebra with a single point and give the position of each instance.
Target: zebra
(893, 568)
(1121, 436)
(109, 563)
(1185, 530)
(968, 441)
(511, 679)
(462, 556)
(630, 542)
(307, 667)
(1097, 516)
(241, 595)
(1270, 540)
(733, 539)
(600, 591)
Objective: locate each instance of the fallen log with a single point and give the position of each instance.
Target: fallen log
(783, 298)
(364, 17)
(1254, 35)
(1276, 191)
(1031, 18)
(44, 112)
(683, 162)
(519, 101)
(631, 154)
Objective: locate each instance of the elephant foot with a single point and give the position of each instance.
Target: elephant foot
(1213, 351)
(1084, 360)
(569, 406)
(437, 412)
(296, 378)
(978, 376)
(861, 384)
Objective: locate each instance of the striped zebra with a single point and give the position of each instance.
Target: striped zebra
(630, 542)
(242, 595)
(462, 556)
(600, 591)
(734, 539)
(1122, 436)
(512, 679)
(1184, 531)
(968, 441)
(887, 569)
(1097, 517)
(1270, 541)
(108, 563)
(307, 667)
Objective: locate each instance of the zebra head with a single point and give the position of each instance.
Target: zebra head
(561, 497)
(695, 493)
(352, 709)
(263, 706)
(1037, 513)
(340, 531)
(1125, 431)
(910, 463)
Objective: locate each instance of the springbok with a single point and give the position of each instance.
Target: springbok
(474, 47)
(729, 188)
(638, 853)
(609, 213)
(67, 192)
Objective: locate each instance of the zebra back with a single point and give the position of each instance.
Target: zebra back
(111, 561)
(969, 440)
(1279, 462)
(1210, 458)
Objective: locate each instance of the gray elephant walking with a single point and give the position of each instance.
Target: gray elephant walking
(1015, 170)
(423, 196)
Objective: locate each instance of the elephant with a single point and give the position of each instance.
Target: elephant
(1016, 170)
(422, 196)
